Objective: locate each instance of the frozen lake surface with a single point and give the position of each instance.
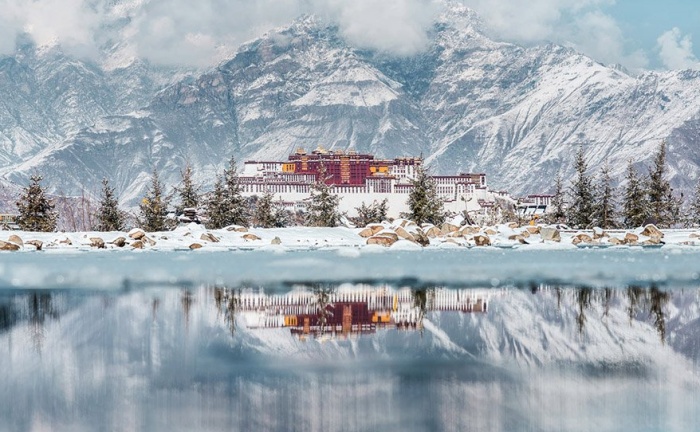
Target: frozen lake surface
(478, 267)
(351, 339)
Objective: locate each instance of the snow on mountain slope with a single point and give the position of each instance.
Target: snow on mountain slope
(467, 103)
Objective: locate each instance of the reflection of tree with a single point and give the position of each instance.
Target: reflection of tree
(233, 302)
(557, 290)
(322, 294)
(40, 309)
(657, 301)
(8, 316)
(421, 301)
(227, 301)
(606, 301)
(154, 307)
(634, 294)
(186, 300)
(640, 299)
(583, 299)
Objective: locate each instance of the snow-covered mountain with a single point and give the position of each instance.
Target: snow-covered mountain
(467, 103)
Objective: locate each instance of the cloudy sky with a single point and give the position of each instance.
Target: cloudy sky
(639, 34)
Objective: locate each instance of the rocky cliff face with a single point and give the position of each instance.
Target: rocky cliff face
(467, 103)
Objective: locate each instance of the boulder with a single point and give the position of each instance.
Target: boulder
(388, 233)
(550, 234)
(382, 240)
(653, 241)
(194, 246)
(533, 229)
(136, 234)
(469, 230)
(651, 231)
(582, 238)
(599, 233)
(276, 241)
(138, 244)
(148, 240)
(209, 237)
(433, 232)
(371, 230)
(482, 240)
(14, 238)
(451, 241)
(401, 232)
(65, 241)
(491, 231)
(694, 235)
(38, 244)
(525, 233)
(366, 233)
(615, 241)
(519, 238)
(420, 238)
(236, 228)
(119, 242)
(513, 225)
(8, 246)
(447, 228)
(630, 238)
(250, 237)
(97, 242)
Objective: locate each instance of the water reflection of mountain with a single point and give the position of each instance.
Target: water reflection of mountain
(508, 359)
(328, 311)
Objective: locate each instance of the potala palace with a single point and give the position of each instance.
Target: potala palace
(360, 178)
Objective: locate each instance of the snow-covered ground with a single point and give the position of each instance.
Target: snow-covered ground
(68, 260)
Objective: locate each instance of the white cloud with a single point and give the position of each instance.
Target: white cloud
(199, 32)
(581, 24)
(676, 50)
(396, 26)
(599, 36)
(72, 23)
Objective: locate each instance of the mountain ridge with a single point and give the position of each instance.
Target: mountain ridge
(467, 103)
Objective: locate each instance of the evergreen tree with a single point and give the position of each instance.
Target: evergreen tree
(322, 210)
(154, 207)
(109, 217)
(424, 203)
(268, 213)
(582, 195)
(662, 205)
(234, 200)
(558, 213)
(217, 206)
(635, 207)
(36, 211)
(694, 211)
(604, 213)
(187, 190)
(373, 213)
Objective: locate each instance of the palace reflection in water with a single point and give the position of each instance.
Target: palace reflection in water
(344, 311)
(350, 357)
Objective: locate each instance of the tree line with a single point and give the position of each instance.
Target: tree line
(593, 201)
(587, 201)
(223, 206)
